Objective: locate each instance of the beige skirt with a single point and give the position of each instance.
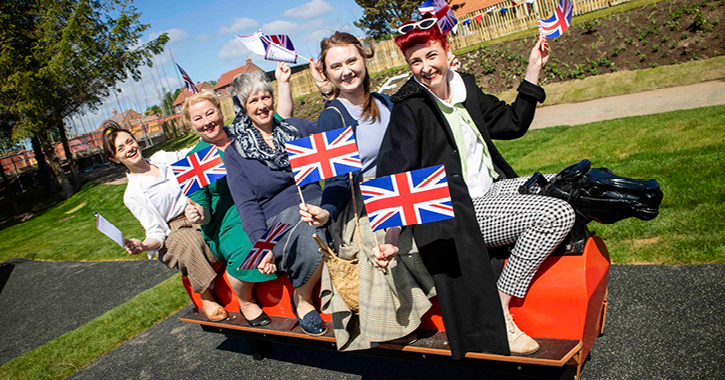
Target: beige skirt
(185, 249)
(392, 304)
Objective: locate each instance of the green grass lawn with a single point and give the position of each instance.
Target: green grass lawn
(683, 150)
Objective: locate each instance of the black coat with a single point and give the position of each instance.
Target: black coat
(453, 250)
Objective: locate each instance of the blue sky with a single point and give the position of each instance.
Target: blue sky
(203, 42)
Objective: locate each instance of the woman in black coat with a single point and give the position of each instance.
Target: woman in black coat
(442, 117)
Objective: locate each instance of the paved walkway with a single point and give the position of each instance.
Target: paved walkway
(642, 103)
(41, 300)
(664, 322)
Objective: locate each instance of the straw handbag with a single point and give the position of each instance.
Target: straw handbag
(344, 274)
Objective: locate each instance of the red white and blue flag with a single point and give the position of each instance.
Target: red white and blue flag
(265, 244)
(199, 169)
(559, 22)
(323, 155)
(277, 47)
(187, 80)
(440, 9)
(414, 197)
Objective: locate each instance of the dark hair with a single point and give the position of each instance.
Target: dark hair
(370, 108)
(419, 36)
(110, 130)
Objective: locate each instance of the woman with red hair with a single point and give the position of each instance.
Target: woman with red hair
(441, 117)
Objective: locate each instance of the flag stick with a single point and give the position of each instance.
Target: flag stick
(301, 197)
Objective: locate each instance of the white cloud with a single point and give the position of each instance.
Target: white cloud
(279, 27)
(176, 36)
(309, 10)
(239, 25)
(317, 36)
(313, 24)
(233, 49)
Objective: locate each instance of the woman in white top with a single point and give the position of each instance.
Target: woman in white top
(155, 199)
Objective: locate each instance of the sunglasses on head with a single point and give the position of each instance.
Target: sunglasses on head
(422, 24)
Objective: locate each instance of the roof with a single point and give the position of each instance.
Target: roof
(464, 7)
(203, 85)
(226, 78)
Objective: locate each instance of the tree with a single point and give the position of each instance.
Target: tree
(169, 99)
(382, 17)
(62, 56)
(155, 109)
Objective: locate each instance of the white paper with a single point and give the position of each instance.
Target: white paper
(109, 229)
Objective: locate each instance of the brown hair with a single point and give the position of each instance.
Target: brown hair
(110, 130)
(370, 108)
(198, 98)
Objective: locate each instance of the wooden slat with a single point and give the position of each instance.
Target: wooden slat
(553, 352)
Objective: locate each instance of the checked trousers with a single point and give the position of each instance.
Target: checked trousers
(536, 224)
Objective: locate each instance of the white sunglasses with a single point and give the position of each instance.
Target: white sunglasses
(422, 24)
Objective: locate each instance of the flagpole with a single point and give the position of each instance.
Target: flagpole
(354, 204)
(302, 198)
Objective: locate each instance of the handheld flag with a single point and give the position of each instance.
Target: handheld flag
(277, 47)
(323, 155)
(414, 197)
(109, 229)
(187, 80)
(265, 244)
(440, 9)
(199, 169)
(559, 22)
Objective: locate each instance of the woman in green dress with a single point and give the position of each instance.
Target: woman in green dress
(219, 219)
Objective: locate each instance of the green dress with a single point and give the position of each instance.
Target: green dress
(224, 233)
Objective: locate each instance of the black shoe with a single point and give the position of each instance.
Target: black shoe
(312, 324)
(262, 320)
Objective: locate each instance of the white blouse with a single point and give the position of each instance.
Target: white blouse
(155, 201)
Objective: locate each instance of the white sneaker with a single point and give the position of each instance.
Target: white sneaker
(519, 342)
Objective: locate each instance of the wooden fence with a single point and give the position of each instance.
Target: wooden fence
(493, 24)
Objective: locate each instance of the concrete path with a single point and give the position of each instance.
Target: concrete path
(40, 300)
(664, 322)
(642, 103)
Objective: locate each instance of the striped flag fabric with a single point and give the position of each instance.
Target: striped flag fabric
(414, 197)
(198, 169)
(323, 155)
(276, 47)
(265, 244)
(559, 22)
(446, 20)
(187, 80)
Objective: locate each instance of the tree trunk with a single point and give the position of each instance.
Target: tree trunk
(45, 174)
(49, 151)
(68, 154)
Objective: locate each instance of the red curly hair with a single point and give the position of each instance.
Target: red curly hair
(421, 36)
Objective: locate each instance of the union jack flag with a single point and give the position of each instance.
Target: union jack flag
(187, 80)
(265, 244)
(446, 20)
(323, 155)
(277, 47)
(559, 22)
(414, 197)
(199, 169)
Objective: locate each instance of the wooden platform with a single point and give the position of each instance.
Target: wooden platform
(431, 347)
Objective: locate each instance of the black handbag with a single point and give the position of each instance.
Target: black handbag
(598, 194)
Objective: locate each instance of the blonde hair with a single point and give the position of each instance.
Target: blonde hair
(198, 98)
(370, 108)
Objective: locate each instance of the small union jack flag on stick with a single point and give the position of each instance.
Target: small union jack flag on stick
(187, 80)
(276, 47)
(323, 155)
(414, 197)
(199, 169)
(559, 22)
(446, 20)
(265, 244)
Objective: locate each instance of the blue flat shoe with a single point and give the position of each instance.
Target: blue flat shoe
(312, 324)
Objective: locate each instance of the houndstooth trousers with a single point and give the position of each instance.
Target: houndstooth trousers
(535, 223)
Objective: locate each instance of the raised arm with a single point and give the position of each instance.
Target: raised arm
(285, 105)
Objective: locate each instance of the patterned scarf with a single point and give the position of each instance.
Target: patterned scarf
(248, 141)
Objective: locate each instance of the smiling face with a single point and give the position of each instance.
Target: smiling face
(128, 152)
(260, 108)
(207, 120)
(346, 68)
(429, 64)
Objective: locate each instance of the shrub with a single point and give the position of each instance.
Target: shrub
(605, 61)
(674, 62)
(674, 25)
(665, 38)
(628, 40)
(674, 44)
(683, 36)
(665, 54)
(653, 64)
(699, 22)
(637, 52)
(634, 67)
(616, 51)
(642, 58)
